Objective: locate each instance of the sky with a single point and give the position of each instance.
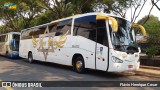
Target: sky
(145, 11)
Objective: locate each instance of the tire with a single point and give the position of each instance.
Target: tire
(79, 65)
(30, 57)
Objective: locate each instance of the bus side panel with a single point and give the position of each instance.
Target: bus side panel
(61, 55)
(64, 55)
(75, 45)
(87, 47)
(26, 46)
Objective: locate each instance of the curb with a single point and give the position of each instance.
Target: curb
(139, 72)
(147, 74)
(150, 67)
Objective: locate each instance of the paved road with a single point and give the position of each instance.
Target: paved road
(21, 70)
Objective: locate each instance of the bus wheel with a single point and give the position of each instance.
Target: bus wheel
(79, 65)
(30, 57)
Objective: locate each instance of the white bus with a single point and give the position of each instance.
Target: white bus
(9, 44)
(94, 40)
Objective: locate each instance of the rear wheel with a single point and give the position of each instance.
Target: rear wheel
(79, 65)
(30, 57)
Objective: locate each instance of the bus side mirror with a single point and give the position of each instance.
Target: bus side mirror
(113, 21)
(12, 42)
(140, 27)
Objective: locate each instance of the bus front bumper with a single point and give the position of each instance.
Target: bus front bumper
(125, 66)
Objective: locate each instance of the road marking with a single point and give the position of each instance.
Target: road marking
(7, 88)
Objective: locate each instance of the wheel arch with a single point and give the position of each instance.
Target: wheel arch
(29, 52)
(75, 56)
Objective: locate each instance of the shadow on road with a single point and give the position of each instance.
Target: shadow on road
(88, 71)
(51, 71)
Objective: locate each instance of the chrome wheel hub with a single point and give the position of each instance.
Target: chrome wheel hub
(78, 64)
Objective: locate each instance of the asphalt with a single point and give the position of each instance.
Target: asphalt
(149, 71)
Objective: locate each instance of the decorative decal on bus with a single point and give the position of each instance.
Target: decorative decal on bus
(53, 44)
(93, 40)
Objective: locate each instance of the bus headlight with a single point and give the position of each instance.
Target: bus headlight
(116, 60)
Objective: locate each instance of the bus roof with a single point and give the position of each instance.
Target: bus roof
(15, 32)
(74, 16)
(10, 33)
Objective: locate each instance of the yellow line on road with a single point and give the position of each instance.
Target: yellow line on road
(7, 88)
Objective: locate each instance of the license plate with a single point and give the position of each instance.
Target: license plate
(130, 66)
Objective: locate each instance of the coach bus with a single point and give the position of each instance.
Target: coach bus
(9, 44)
(93, 40)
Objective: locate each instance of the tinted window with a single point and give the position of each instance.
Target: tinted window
(92, 29)
(37, 32)
(58, 27)
(33, 32)
(101, 33)
(86, 27)
(63, 27)
(2, 38)
(53, 27)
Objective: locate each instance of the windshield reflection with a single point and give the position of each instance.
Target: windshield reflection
(124, 39)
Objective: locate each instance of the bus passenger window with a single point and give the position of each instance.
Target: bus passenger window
(86, 27)
(63, 27)
(2, 38)
(52, 27)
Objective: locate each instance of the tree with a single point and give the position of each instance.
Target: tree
(154, 2)
(34, 12)
(152, 27)
(43, 18)
(22, 16)
(120, 7)
(58, 9)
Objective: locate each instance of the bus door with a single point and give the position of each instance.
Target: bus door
(101, 46)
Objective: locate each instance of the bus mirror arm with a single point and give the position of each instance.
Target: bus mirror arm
(141, 28)
(113, 20)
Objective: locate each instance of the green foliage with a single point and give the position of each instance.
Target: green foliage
(41, 19)
(152, 51)
(35, 12)
(152, 27)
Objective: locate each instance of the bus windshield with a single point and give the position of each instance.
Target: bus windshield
(124, 38)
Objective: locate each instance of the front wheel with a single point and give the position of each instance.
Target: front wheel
(79, 65)
(30, 58)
